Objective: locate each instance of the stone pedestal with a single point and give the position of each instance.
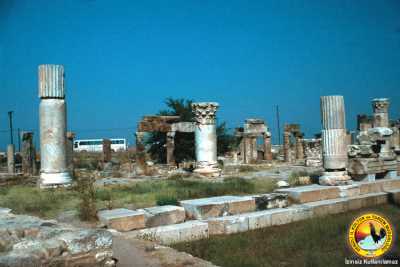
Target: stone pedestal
(10, 159)
(334, 145)
(52, 127)
(206, 139)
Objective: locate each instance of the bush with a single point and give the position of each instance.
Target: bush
(87, 207)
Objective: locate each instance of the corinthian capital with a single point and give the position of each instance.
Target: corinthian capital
(380, 105)
(204, 112)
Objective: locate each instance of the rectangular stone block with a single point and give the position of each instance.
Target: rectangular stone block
(330, 206)
(391, 184)
(228, 225)
(122, 219)
(371, 187)
(164, 215)
(175, 233)
(349, 190)
(281, 216)
(217, 206)
(367, 200)
(310, 193)
(259, 219)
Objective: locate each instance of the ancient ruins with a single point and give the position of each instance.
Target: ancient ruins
(254, 128)
(342, 171)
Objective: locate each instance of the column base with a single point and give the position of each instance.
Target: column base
(208, 172)
(60, 179)
(335, 178)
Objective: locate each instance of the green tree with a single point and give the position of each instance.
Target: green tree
(184, 142)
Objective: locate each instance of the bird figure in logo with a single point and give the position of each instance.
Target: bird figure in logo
(376, 237)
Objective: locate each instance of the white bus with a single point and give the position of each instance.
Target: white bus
(96, 145)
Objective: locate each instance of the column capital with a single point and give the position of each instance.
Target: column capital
(380, 105)
(205, 112)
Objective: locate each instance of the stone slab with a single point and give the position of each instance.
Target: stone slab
(330, 206)
(228, 225)
(310, 193)
(175, 233)
(351, 190)
(122, 219)
(367, 200)
(164, 215)
(217, 206)
(381, 185)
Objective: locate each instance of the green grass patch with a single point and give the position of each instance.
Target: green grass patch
(48, 203)
(314, 242)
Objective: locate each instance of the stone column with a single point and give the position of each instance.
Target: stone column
(380, 108)
(11, 159)
(267, 147)
(70, 151)
(206, 139)
(28, 154)
(334, 145)
(248, 153)
(286, 146)
(254, 152)
(106, 150)
(52, 127)
(299, 148)
(140, 148)
(170, 148)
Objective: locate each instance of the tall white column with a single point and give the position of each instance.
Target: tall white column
(334, 145)
(206, 139)
(52, 116)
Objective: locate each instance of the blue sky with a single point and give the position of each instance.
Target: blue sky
(123, 58)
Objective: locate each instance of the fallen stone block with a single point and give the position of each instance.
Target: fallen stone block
(310, 193)
(122, 219)
(228, 224)
(175, 233)
(271, 201)
(164, 215)
(217, 206)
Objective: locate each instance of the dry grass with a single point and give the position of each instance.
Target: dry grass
(314, 242)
